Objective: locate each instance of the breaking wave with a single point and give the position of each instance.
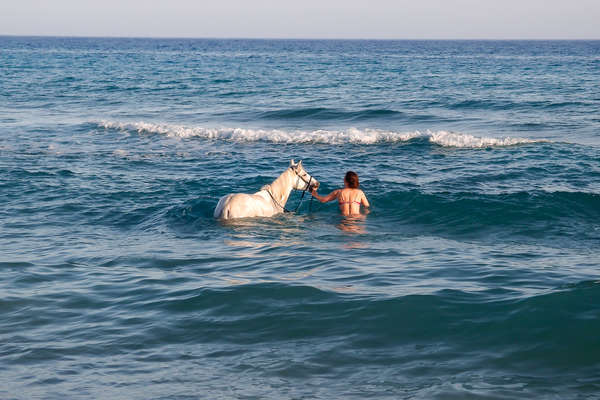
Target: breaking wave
(346, 136)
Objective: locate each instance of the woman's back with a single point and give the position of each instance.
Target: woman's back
(350, 200)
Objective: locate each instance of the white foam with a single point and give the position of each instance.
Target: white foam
(451, 139)
(351, 135)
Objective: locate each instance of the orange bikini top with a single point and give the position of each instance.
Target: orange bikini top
(349, 201)
(353, 201)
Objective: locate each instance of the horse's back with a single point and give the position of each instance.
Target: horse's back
(240, 205)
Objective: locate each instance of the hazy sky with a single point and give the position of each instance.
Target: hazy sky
(402, 19)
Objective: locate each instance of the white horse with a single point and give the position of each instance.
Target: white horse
(270, 200)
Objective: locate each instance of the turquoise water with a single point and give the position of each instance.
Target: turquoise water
(476, 275)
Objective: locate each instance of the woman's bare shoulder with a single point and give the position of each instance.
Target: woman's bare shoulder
(363, 195)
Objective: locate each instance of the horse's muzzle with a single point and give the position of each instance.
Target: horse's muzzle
(313, 185)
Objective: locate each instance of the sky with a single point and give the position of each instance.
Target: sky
(351, 19)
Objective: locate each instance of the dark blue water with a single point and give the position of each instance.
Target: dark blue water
(476, 274)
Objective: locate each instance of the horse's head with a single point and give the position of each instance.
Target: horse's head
(303, 180)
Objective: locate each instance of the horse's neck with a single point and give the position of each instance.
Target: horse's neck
(282, 186)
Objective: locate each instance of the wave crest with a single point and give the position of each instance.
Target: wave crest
(347, 136)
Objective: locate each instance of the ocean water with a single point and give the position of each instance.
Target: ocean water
(476, 274)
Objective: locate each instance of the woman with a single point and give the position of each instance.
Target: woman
(349, 198)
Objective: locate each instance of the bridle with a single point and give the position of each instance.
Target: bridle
(303, 191)
(302, 178)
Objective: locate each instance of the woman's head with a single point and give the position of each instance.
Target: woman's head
(351, 179)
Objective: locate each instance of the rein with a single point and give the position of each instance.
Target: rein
(303, 192)
(285, 210)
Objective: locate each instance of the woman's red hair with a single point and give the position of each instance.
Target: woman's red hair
(351, 179)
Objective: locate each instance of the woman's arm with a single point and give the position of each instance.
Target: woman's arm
(324, 199)
(364, 200)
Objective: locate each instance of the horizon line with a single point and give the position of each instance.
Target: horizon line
(291, 38)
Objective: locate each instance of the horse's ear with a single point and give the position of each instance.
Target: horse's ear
(300, 164)
(292, 163)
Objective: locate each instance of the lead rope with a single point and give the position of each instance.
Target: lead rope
(285, 210)
(303, 193)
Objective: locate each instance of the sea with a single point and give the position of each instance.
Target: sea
(475, 275)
